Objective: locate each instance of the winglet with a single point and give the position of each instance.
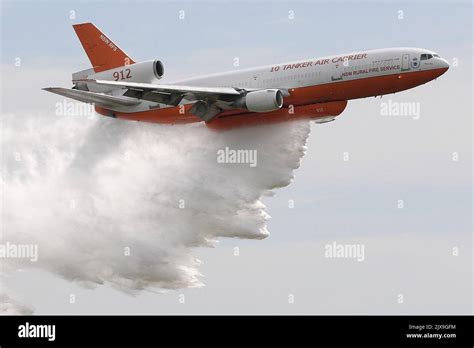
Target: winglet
(102, 52)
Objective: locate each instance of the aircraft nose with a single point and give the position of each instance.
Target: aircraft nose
(443, 64)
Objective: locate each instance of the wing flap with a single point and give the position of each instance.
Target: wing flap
(91, 97)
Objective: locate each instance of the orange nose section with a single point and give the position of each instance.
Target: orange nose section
(441, 71)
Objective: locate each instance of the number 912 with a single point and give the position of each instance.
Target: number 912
(122, 74)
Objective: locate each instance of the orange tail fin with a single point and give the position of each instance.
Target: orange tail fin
(102, 52)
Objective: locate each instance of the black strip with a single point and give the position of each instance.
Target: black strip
(222, 330)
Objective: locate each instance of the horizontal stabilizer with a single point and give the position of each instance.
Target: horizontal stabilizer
(96, 98)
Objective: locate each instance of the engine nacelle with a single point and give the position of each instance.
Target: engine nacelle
(147, 72)
(262, 101)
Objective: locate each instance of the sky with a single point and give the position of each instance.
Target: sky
(409, 251)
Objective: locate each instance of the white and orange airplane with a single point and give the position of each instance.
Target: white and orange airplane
(316, 88)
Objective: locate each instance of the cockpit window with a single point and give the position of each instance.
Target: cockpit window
(436, 55)
(426, 56)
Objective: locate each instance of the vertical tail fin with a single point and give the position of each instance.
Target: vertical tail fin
(102, 52)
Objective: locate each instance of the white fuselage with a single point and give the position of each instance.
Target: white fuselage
(318, 71)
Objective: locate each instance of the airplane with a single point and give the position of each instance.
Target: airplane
(315, 88)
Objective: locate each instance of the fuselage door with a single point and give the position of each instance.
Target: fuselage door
(337, 72)
(405, 62)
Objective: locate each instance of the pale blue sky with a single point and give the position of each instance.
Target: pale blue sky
(150, 29)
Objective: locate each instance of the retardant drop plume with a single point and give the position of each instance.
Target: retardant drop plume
(90, 191)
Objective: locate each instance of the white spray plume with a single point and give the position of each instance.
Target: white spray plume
(123, 203)
(9, 306)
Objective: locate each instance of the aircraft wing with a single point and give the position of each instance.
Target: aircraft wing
(91, 97)
(210, 101)
(187, 91)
